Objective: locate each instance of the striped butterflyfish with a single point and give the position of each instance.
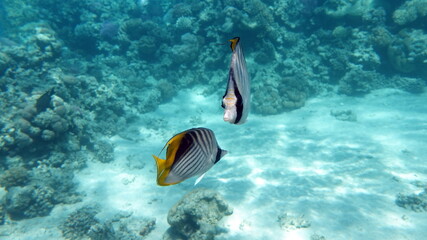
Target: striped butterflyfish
(236, 100)
(189, 153)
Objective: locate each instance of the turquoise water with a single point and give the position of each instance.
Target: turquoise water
(333, 147)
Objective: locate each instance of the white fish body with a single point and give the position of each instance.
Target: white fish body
(236, 100)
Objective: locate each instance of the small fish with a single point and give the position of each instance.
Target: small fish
(189, 153)
(43, 102)
(236, 100)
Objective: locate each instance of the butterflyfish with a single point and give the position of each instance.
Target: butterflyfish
(236, 100)
(189, 153)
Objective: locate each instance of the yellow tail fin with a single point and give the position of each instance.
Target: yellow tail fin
(160, 165)
(162, 171)
(164, 165)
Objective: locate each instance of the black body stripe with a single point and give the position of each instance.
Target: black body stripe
(239, 103)
(185, 145)
(205, 141)
(218, 155)
(194, 152)
(185, 160)
(191, 170)
(202, 163)
(228, 83)
(192, 161)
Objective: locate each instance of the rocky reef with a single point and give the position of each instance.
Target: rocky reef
(84, 224)
(34, 193)
(29, 201)
(79, 223)
(196, 216)
(127, 46)
(415, 202)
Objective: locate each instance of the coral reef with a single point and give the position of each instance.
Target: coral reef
(408, 52)
(83, 223)
(74, 73)
(61, 181)
(358, 82)
(185, 52)
(104, 151)
(101, 231)
(172, 42)
(342, 8)
(410, 11)
(196, 216)
(137, 38)
(275, 96)
(412, 85)
(33, 193)
(39, 130)
(13, 177)
(29, 201)
(79, 223)
(147, 228)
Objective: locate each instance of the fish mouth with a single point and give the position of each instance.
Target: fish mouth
(229, 115)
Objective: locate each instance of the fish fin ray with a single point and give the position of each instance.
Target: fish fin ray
(199, 179)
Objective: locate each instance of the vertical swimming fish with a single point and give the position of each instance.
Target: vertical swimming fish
(189, 153)
(236, 100)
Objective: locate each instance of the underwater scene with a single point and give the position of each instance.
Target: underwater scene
(215, 119)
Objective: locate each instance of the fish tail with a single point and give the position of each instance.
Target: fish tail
(162, 171)
(161, 165)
